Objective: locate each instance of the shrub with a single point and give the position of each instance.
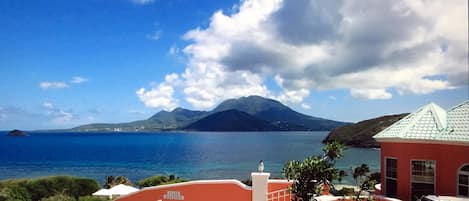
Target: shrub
(15, 193)
(346, 191)
(59, 197)
(248, 182)
(91, 198)
(159, 180)
(49, 186)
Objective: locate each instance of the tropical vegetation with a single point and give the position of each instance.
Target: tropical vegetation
(159, 180)
(46, 187)
(111, 181)
(314, 171)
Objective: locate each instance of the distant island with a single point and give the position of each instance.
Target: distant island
(17, 133)
(252, 113)
(361, 134)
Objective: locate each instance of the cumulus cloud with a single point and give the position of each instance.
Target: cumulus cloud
(160, 95)
(367, 47)
(78, 80)
(53, 85)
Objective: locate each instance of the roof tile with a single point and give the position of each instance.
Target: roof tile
(431, 122)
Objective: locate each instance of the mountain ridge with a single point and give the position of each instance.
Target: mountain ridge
(251, 108)
(361, 134)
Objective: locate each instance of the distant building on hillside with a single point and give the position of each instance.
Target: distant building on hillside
(426, 153)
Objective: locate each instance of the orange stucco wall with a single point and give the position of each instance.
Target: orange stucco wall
(275, 185)
(203, 191)
(193, 192)
(449, 158)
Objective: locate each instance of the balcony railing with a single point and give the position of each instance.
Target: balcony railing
(280, 195)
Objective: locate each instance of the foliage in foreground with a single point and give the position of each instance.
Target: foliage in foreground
(59, 197)
(39, 188)
(248, 182)
(92, 198)
(314, 171)
(111, 181)
(159, 180)
(363, 179)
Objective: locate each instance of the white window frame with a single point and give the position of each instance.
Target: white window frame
(460, 172)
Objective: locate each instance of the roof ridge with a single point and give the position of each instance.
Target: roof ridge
(458, 105)
(440, 117)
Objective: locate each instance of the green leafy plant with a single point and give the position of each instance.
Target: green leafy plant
(313, 171)
(59, 197)
(363, 180)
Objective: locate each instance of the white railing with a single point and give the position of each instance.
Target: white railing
(280, 195)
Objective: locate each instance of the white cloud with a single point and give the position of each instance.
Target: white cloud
(370, 94)
(305, 106)
(332, 98)
(367, 47)
(48, 105)
(78, 80)
(160, 95)
(58, 116)
(142, 2)
(53, 85)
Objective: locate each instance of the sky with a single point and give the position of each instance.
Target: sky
(68, 63)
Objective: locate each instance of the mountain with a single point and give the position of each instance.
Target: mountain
(277, 113)
(361, 134)
(237, 121)
(163, 120)
(242, 114)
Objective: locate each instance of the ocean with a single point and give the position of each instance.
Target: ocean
(192, 155)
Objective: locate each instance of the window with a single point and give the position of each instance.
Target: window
(463, 181)
(391, 177)
(422, 178)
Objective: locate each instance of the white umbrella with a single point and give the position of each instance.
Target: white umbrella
(102, 192)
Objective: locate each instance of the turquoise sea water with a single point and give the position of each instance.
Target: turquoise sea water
(193, 155)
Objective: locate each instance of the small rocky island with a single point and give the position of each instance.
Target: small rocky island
(17, 133)
(361, 134)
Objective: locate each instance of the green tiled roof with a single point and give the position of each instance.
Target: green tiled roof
(431, 123)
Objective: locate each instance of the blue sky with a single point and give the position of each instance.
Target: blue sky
(67, 63)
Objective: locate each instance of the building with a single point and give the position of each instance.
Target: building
(426, 153)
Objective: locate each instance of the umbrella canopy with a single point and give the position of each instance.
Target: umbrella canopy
(122, 189)
(102, 192)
